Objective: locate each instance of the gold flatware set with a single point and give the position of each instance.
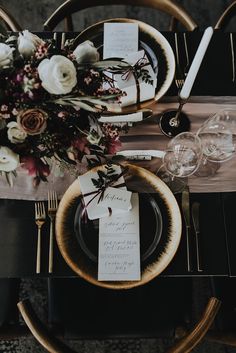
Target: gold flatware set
(40, 219)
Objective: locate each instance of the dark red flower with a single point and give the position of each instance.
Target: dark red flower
(113, 145)
(35, 167)
(81, 144)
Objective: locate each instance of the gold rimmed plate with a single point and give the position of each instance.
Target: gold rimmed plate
(157, 248)
(156, 47)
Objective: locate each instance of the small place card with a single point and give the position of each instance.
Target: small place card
(120, 39)
(119, 246)
(133, 117)
(142, 153)
(116, 199)
(91, 194)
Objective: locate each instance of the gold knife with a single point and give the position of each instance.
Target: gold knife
(196, 224)
(186, 214)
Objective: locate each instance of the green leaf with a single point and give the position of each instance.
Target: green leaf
(101, 174)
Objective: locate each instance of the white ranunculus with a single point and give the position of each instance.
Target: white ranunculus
(86, 53)
(14, 133)
(58, 74)
(28, 43)
(6, 55)
(9, 160)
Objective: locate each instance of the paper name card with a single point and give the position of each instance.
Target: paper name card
(116, 199)
(133, 117)
(128, 85)
(89, 191)
(120, 39)
(119, 245)
(142, 153)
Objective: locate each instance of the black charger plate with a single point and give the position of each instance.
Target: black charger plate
(86, 230)
(155, 45)
(144, 182)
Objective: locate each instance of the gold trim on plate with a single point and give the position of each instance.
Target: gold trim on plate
(83, 266)
(155, 36)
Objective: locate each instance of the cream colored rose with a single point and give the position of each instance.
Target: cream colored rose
(86, 53)
(9, 160)
(14, 133)
(58, 75)
(6, 55)
(28, 43)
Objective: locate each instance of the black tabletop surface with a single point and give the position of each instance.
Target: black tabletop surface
(18, 240)
(18, 232)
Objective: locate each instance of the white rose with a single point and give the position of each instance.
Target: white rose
(6, 55)
(9, 160)
(28, 43)
(14, 133)
(86, 53)
(58, 75)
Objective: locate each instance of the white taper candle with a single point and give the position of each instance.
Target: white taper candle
(196, 63)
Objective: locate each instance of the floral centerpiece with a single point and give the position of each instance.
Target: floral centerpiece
(50, 102)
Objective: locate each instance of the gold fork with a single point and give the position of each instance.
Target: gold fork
(52, 210)
(40, 218)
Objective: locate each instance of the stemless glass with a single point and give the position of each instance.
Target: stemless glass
(180, 160)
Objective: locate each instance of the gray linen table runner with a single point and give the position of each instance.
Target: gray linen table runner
(144, 136)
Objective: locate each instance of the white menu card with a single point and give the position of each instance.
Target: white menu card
(119, 245)
(120, 39)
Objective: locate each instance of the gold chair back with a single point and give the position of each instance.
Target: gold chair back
(9, 21)
(69, 7)
(54, 345)
(226, 16)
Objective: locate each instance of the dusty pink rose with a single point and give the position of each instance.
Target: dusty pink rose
(32, 121)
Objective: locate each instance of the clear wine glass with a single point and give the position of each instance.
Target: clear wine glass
(227, 117)
(217, 139)
(180, 160)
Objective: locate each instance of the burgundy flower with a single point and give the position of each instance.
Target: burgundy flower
(81, 144)
(32, 121)
(35, 166)
(113, 145)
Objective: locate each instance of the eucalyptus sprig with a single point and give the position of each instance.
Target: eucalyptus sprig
(108, 177)
(90, 103)
(145, 76)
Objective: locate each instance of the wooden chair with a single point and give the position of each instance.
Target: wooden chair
(69, 7)
(9, 21)
(226, 16)
(224, 331)
(53, 344)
